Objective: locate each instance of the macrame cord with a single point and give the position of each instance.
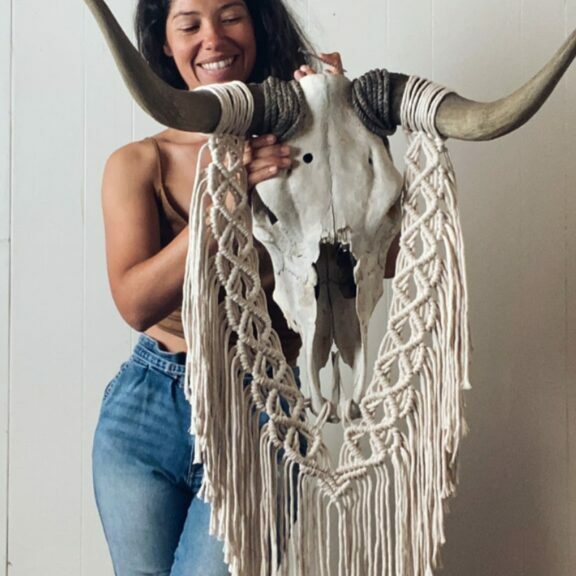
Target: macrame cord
(276, 498)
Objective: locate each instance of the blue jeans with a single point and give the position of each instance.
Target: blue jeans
(145, 483)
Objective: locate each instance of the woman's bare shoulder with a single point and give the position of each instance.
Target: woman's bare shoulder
(136, 159)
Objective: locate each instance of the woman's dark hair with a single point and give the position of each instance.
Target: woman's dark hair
(279, 40)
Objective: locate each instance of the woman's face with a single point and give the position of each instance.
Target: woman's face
(211, 41)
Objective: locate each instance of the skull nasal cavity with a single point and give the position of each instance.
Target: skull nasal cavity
(271, 216)
(308, 158)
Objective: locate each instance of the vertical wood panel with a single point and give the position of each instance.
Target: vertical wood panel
(409, 50)
(512, 190)
(5, 117)
(4, 396)
(477, 54)
(408, 26)
(46, 427)
(335, 26)
(539, 309)
(108, 116)
(5, 190)
(570, 334)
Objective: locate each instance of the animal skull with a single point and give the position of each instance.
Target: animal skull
(330, 215)
(327, 225)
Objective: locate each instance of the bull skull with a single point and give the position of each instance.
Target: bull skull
(328, 250)
(328, 253)
(457, 117)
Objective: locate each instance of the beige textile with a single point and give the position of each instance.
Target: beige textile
(274, 491)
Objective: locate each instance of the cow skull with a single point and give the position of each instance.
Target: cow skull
(327, 225)
(318, 238)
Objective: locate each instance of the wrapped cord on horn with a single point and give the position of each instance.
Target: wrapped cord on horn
(371, 102)
(283, 107)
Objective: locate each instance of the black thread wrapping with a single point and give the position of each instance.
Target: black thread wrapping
(283, 107)
(371, 102)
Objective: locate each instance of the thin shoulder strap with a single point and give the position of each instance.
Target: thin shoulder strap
(160, 171)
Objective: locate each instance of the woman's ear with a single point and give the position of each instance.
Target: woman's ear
(167, 50)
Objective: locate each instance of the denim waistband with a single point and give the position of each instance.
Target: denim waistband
(147, 351)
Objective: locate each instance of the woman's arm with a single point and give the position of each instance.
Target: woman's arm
(146, 279)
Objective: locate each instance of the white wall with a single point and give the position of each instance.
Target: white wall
(61, 339)
(5, 86)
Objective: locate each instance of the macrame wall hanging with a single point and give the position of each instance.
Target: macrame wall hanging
(279, 504)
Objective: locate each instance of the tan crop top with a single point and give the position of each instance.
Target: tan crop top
(172, 221)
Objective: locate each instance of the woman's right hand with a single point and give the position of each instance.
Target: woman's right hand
(264, 157)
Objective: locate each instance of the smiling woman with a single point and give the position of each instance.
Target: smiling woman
(145, 480)
(279, 40)
(210, 42)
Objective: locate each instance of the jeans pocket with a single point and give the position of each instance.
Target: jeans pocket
(112, 382)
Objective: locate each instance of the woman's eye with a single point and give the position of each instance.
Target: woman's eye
(231, 18)
(191, 28)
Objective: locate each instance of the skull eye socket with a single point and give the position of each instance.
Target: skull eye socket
(307, 158)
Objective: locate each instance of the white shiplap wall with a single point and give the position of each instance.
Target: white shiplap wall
(61, 339)
(5, 156)
(47, 294)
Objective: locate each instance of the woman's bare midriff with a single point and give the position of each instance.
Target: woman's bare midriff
(167, 341)
(171, 343)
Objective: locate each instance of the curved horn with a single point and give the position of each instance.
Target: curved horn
(465, 119)
(180, 109)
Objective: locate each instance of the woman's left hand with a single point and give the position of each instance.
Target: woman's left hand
(332, 61)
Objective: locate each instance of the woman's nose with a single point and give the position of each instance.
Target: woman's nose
(212, 36)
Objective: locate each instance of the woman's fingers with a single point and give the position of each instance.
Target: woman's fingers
(264, 158)
(332, 65)
(262, 141)
(255, 178)
(279, 150)
(333, 62)
(303, 71)
(280, 162)
(273, 154)
(266, 168)
(257, 143)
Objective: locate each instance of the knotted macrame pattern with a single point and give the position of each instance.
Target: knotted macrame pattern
(278, 503)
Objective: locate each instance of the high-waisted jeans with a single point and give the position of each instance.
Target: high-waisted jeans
(145, 482)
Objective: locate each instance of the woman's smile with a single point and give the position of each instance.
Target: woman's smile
(219, 69)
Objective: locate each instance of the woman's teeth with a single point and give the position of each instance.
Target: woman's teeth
(221, 64)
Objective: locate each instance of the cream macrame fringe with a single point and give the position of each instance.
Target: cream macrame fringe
(279, 506)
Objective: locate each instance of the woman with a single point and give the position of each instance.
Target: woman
(145, 479)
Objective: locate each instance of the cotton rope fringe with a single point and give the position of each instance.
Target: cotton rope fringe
(253, 500)
(277, 502)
